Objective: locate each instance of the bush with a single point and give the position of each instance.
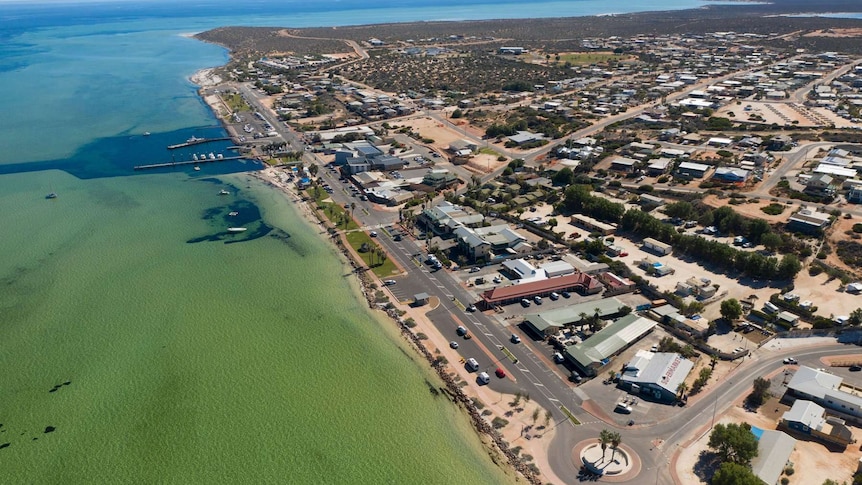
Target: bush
(499, 422)
(857, 227)
(775, 209)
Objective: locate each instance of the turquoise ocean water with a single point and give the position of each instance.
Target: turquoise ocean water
(139, 342)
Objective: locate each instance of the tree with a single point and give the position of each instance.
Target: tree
(731, 309)
(734, 474)
(681, 389)
(548, 417)
(760, 393)
(535, 416)
(313, 169)
(616, 441)
(604, 440)
(734, 443)
(771, 241)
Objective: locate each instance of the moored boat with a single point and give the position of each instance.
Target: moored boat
(223, 192)
(52, 195)
(237, 229)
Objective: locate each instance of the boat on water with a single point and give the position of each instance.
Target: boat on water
(237, 229)
(52, 195)
(146, 133)
(194, 139)
(223, 192)
(197, 169)
(233, 213)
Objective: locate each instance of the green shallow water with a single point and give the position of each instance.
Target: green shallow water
(201, 362)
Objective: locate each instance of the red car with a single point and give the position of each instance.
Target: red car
(500, 372)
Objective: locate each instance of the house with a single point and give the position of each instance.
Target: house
(659, 166)
(445, 217)
(773, 453)
(691, 170)
(820, 184)
(623, 164)
(439, 177)
(655, 375)
(733, 175)
(835, 171)
(719, 142)
(827, 390)
(788, 319)
(523, 137)
(648, 200)
(809, 419)
(669, 315)
(808, 221)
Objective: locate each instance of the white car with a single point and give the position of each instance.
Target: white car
(790, 361)
(558, 358)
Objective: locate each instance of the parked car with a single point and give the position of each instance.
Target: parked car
(483, 378)
(515, 339)
(558, 358)
(471, 308)
(537, 299)
(389, 282)
(555, 296)
(500, 372)
(525, 302)
(471, 364)
(566, 294)
(475, 269)
(855, 368)
(623, 408)
(461, 331)
(453, 344)
(790, 360)
(576, 377)
(373, 234)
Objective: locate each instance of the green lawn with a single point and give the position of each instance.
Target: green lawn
(488, 151)
(236, 103)
(334, 212)
(356, 239)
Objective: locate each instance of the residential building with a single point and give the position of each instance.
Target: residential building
(809, 419)
(807, 220)
(820, 184)
(491, 242)
(729, 174)
(692, 170)
(622, 164)
(773, 454)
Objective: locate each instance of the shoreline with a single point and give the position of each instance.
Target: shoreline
(491, 439)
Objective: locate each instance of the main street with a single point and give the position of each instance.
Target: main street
(531, 374)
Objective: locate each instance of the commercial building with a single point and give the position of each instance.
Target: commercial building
(810, 419)
(595, 352)
(491, 242)
(580, 282)
(550, 322)
(655, 375)
(827, 390)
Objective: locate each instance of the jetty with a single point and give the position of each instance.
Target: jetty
(187, 162)
(197, 141)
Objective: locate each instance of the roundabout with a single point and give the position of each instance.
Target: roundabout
(609, 465)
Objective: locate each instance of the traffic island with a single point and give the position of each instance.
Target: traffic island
(611, 465)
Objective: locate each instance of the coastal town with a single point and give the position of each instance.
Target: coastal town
(628, 258)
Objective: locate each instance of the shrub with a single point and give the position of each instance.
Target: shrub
(499, 422)
(857, 227)
(775, 209)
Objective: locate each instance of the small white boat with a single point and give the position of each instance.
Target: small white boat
(195, 156)
(237, 229)
(223, 192)
(233, 213)
(146, 133)
(52, 195)
(197, 169)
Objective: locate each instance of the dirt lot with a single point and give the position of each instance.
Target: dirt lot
(779, 113)
(444, 135)
(812, 462)
(752, 210)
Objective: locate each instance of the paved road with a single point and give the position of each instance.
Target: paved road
(532, 375)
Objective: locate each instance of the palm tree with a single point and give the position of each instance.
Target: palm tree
(352, 208)
(604, 440)
(548, 416)
(681, 389)
(616, 441)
